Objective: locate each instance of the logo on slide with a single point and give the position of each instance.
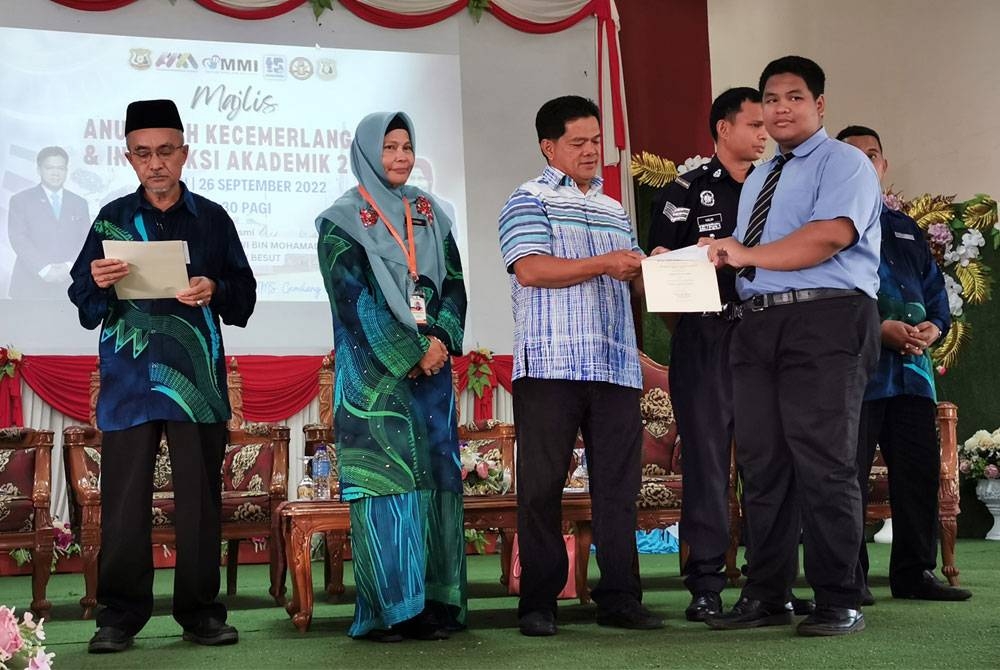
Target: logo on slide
(301, 68)
(180, 62)
(140, 59)
(217, 63)
(275, 67)
(326, 69)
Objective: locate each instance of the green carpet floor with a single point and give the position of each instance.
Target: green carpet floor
(901, 634)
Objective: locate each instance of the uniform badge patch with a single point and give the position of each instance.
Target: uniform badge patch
(707, 224)
(674, 213)
(707, 198)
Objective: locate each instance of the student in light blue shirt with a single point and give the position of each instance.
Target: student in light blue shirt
(807, 252)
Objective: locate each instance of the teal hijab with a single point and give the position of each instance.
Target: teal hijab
(387, 260)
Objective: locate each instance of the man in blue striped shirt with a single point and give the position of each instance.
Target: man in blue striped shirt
(572, 253)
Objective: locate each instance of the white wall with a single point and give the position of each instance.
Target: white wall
(505, 75)
(923, 73)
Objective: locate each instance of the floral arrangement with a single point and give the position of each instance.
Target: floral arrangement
(8, 359)
(21, 642)
(979, 456)
(63, 545)
(482, 474)
(480, 371)
(956, 233)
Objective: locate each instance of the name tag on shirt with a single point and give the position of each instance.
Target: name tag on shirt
(709, 223)
(905, 236)
(418, 308)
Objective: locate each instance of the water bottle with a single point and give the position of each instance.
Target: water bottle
(321, 472)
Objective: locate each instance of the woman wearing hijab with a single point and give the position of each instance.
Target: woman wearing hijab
(394, 277)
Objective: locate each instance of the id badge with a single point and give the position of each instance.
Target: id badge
(418, 308)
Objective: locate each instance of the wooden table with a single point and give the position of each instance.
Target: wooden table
(297, 521)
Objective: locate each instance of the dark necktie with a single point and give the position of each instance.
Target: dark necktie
(761, 208)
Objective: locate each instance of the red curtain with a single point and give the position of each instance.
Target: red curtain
(61, 381)
(500, 367)
(10, 400)
(274, 387)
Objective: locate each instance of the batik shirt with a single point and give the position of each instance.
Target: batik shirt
(911, 290)
(161, 359)
(582, 332)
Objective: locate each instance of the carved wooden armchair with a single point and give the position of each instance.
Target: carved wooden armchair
(948, 495)
(661, 493)
(254, 483)
(25, 485)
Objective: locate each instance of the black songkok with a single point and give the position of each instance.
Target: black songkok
(152, 114)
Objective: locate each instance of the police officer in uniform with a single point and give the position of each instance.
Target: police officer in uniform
(703, 203)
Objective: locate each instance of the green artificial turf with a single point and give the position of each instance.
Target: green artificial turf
(901, 634)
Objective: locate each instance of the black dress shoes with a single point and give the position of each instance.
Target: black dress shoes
(383, 635)
(634, 616)
(748, 613)
(703, 604)
(424, 626)
(931, 588)
(826, 621)
(538, 624)
(867, 599)
(801, 606)
(212, 633)
(108, 640)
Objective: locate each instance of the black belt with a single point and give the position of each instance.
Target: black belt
(762, 302)
(730, 312)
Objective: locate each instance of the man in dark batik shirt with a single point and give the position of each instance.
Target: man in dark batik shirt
(899, 410)
(162, 372)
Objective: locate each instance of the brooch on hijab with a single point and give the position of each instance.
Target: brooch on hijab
(368, 217)
(424, 207)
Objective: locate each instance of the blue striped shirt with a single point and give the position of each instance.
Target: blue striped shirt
(582, 332)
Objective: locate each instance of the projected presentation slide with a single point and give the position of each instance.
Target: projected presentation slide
(269, 129)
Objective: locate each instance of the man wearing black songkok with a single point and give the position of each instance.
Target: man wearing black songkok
(163, 375)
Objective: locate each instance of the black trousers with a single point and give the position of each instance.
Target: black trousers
(799, 375)
(701, 388)
(904, 427)
(125, 563)
(547, 415)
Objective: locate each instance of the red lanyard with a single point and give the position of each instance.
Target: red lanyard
(411, 253)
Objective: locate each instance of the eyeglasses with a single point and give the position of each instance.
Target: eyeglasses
(163, 152)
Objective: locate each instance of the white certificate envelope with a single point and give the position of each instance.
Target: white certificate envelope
(681, 281)
(155, 269)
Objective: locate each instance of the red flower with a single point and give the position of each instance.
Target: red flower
(425, 208)
(368, 217)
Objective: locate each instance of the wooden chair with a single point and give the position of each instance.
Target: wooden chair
(25, 488)
(948, 494)
(661, 493)
(254, 481)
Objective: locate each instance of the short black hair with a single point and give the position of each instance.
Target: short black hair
(859, 131)
(728, 105)
(552, 117)
(810, 71)
(49, 152)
